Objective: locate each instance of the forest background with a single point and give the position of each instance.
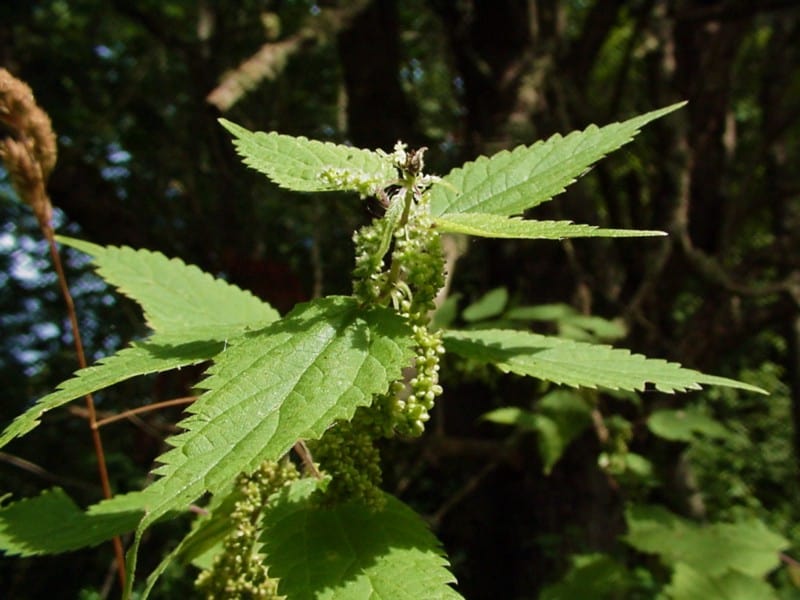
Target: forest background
(135, 89)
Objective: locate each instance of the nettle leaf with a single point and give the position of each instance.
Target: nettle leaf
(174, 295)
(269, 388)
(161, 352)
(497, 226)
(510, 182)
(304, 165)
(351, 551)
(52, 523)
(747, 546)
(690, 584)
(578, 364)
(194, 313)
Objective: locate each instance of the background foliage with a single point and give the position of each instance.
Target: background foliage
(143, 162)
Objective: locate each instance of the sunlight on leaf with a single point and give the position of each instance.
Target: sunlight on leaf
(351, 551)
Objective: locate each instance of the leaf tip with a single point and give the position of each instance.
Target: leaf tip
(231, 127)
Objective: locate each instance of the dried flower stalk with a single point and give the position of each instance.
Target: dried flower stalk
(29, 151)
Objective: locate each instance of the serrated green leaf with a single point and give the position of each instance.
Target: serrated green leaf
(304, 165)
(52, 523)
(160, 352)
(269, 388)
(510, 182)
(174, 295)
(352, 552)
(498, 226)
(490, 304)
(684, 425)
(578, 364)
(690, 584)
(746, 546)
(194, 313)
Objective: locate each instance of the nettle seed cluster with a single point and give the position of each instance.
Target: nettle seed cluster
(399, 262)
(239, 570)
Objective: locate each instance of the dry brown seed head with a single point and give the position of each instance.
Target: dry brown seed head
(29, 152)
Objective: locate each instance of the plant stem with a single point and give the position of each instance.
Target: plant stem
(143, 409)
(47, 230)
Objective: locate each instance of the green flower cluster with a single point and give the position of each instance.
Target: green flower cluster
(399, 260)
(369, 276)
(239, 570)
(350, 179)
(421, 266)
(348, 454)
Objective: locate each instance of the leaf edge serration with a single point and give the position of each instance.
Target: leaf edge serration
(332, 167)
(488, 170)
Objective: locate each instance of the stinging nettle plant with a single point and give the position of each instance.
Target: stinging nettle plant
(328, 379)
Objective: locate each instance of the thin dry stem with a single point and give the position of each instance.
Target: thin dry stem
(270, 60)
(40, 471)
(142, 409)
(96, 439)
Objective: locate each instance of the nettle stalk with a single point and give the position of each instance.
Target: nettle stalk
(339, 373)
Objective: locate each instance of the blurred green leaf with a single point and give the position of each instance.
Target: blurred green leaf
(595, 576)
(692, 584)
(747, 546)
(446, 313)
(541, 312)
(489, 305)
(638, 465)
(559, 418)
(684, 425)
(600, 329)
